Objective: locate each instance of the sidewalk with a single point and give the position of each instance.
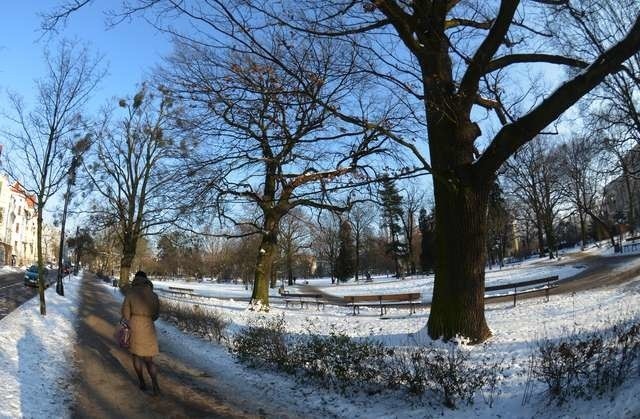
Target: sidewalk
(105, 383)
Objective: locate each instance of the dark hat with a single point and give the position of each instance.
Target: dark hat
(141, 274)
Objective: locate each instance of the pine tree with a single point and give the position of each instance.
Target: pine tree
(392, 213)
(426, 223)
(499, 226)
(345, 264)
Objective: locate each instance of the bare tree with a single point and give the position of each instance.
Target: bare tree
(436, 63)
(361, 216)
(294, 237)
(78, 149)
(273, 143)
(134, 171)
(326, 241)
(457, 59)
(413, 200)
(41, 143)
(533, 176)
(583, 179)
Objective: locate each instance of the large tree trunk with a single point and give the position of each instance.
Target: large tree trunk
(540, 232)
(458, 293)
(264, 265)
(41, 287)
(126, 261)
(125, 270)
(357, 258)
(551, 237)
(583, 230)
(627, 183)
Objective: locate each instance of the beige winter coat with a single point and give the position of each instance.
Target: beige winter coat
(140, 308)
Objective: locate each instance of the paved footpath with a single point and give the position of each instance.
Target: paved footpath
(105, 383)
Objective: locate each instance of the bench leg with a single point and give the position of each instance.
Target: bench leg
(515, 295)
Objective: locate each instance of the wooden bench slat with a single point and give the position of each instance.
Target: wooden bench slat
(522, 284)
(318, 299)
(548, 285)
(383, 301)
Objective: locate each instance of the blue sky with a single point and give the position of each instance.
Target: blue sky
(130, 49)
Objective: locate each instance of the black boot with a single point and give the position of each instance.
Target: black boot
(155, 387)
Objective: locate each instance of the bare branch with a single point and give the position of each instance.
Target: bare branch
(507, 60)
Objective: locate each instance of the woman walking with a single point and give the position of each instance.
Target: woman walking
(141, 308)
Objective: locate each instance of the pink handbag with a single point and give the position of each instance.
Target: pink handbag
(123, 334)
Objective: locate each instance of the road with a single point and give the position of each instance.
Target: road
(13, 292)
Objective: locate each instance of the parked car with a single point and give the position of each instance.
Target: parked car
(31, 276)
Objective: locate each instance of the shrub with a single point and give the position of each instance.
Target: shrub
(263, 343)
(587, 365)
(343, 362)
(451, 373)
(209, 324)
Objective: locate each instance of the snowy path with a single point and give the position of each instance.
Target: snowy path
(105, 385)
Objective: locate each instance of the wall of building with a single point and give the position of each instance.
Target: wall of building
(18, 228)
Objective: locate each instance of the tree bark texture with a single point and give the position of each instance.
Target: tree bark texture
(458, 295)
(264, 265)
(41, 287)
(128, 254)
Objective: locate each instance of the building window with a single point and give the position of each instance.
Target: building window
(17, 227)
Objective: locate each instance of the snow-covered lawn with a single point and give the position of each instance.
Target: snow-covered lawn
(525, 271)
(515, 333)
(36, 354)
(33, 388)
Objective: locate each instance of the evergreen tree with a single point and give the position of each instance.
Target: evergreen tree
(499, 226)
(345, 263)
(392, 213)
(427, 225)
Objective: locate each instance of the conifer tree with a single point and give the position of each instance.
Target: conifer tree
(426, 223)
(392, 213)
(345, 264)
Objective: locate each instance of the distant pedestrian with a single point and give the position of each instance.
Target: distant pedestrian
(141, 308)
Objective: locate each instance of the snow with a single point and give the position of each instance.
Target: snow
(35, 356)
(26, 339)
(525, 271)
(515, 331)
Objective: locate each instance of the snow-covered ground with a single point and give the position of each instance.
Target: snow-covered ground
(525, 271)
(6, 269)
(36, 354)
(515, 332)
(26, 339)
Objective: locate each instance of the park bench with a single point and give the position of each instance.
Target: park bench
(383, 301)
(303, 298)
(634, 247)
(181, 290)
(524, 287)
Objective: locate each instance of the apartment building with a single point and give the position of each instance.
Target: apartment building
(622, 195)
(18, 232)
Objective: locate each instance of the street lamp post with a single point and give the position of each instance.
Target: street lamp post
(67, 198)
